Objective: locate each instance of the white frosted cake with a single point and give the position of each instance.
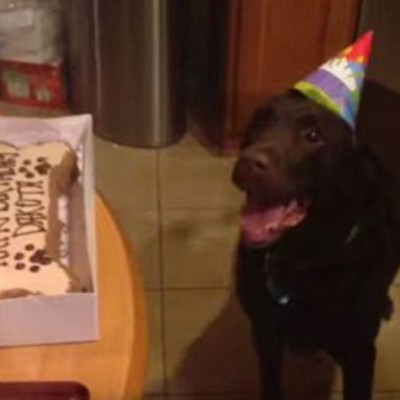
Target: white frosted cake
(33, 179)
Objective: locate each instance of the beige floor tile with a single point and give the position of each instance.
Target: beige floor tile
(207, 344)
(141, 229)
(191, 177)
(155, 374)
(126, 176)
(199, 247)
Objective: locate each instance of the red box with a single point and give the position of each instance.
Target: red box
(33, 84)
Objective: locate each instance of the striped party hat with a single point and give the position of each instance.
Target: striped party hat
(337, 84)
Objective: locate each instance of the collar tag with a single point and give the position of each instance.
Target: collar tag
(352, 234)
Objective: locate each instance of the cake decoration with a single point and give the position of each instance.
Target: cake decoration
(32, 180)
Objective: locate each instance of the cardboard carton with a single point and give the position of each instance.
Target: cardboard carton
(71, 317)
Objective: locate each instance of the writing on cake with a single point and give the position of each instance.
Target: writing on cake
(32, 179)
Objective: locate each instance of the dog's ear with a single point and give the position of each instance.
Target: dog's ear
(345, 180)
(387, 185)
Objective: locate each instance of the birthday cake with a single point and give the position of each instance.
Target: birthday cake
(33, 179)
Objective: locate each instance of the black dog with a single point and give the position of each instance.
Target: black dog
(320, 241)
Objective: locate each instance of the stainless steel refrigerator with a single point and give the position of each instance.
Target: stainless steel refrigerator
(126, 68)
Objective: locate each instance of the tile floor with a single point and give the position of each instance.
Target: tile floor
(179, 212)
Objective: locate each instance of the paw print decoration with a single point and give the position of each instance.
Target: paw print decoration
(32, 259)
(41, 167)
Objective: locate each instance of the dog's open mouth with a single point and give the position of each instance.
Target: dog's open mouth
(263, 225)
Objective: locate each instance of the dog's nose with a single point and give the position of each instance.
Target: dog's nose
(259, 162)
(250, 166)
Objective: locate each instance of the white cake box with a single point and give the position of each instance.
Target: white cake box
(70, 317)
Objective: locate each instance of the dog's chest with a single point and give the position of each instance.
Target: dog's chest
(286, 286)
(279, 293)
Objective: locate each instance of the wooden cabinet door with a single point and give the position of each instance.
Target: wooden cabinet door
(274, 43)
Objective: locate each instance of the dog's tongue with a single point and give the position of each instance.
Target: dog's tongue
(264, 226)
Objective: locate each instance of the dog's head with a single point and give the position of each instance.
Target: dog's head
(290, 145)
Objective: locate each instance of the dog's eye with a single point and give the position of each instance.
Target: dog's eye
(312, 136)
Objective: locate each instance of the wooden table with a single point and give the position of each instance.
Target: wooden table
(114, 367)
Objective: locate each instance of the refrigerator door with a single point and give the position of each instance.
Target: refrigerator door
(127, 68)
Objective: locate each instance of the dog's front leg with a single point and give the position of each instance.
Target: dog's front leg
(358, 371)
(269, 346)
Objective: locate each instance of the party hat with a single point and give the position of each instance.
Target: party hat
(337, 84)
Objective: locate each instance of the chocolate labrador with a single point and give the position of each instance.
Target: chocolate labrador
(320, 241)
